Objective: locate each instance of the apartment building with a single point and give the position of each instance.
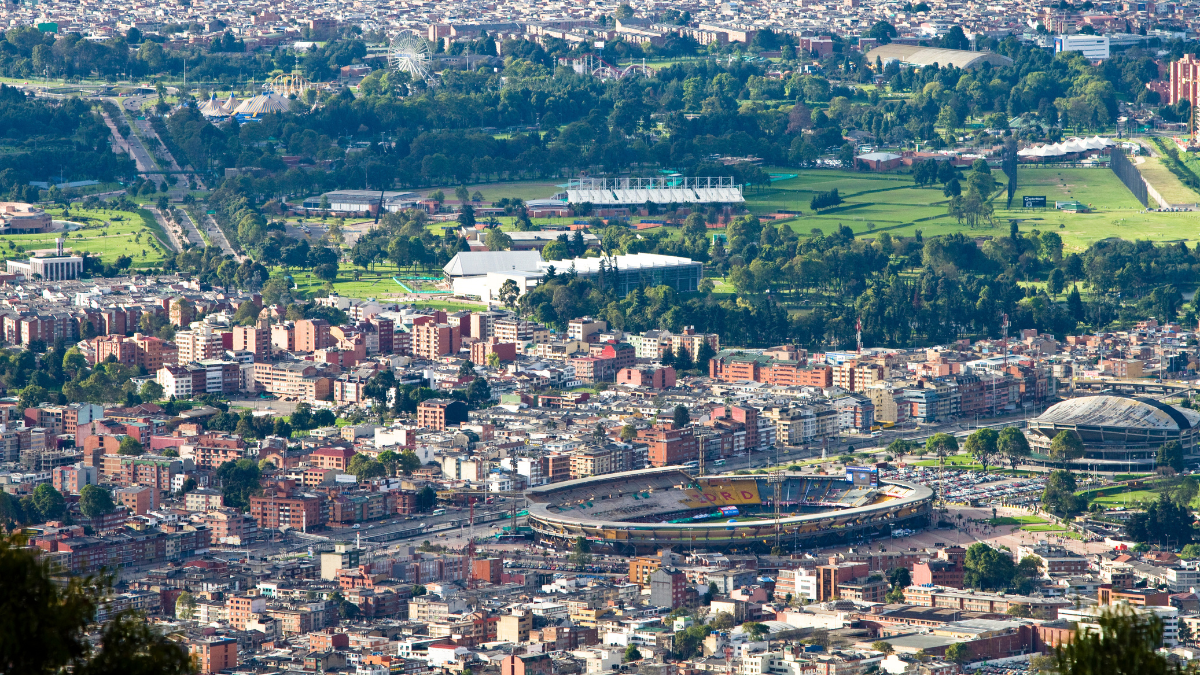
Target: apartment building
(302, 380)
(439, 413)
(312, 334)
(198, 343)
(433, 340)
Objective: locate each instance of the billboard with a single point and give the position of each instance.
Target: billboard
(723, 494)
(862, 476)
(1033, 201)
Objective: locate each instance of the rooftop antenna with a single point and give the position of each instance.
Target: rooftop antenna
(1004, 343)
(858, 332)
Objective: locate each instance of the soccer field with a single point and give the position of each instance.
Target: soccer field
(891, 202)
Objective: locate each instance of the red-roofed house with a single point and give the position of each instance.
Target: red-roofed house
(331, 458)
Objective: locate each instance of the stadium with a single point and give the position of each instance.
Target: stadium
(642, 511)
(1118, 433)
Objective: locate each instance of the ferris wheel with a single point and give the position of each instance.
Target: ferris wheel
(409, 52)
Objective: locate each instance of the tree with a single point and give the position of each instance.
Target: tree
(1186, 491)
(239, 481)
(32, 396)
(1125, 643)
(1059, 496)
(882, 646)
(1066, 446)
(959, 652)
(582, 548)
(130, 446)
(632, 654)
(628, 433)
(722, 621)
(185, 606)
(900, 447)
(987, 568)
(497, 240)
(408, 462)
(1055, 283)
(1020, 611)
(509, 293)
(1163, 522)
(426, 498)
(366, 468)
(681, 417)
(1170, 454)
(466, 217)
(942, 445)
(1013, 446)
(151, 391)
(983, 445)
(899, 577)
(755, 630)
(49, 502)
(44, 624)
(883, 32)
(95, 501)
(479, 391)
(466, 369)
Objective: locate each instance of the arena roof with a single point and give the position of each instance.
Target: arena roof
(479, 263)
(627, 263)
(914, 55)
(1118, 411)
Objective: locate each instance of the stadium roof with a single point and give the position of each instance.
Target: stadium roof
(914, 55)
(632, 197)
(479, 263)
(1118, 411)
(637, 261)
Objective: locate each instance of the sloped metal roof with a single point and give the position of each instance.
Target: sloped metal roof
(1118, 411)
(926, 56)
(479, 263)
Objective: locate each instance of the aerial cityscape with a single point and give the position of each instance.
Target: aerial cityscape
(575, 338)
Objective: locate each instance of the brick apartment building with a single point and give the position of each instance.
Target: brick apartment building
(432, 340)
(440, 413)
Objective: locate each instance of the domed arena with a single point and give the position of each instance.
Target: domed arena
(1119, 433)
(642, 511)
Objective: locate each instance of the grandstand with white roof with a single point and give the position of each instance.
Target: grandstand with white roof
(603, 192)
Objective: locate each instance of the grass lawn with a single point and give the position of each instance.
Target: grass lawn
(102, 236)
(1166, 183)
(1131, 498)
(894, 203)
(1131, 476)
(957, 462)
(1016, 520)
(871, 201)
(493, 192)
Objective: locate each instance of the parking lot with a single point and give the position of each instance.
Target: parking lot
(970, 487)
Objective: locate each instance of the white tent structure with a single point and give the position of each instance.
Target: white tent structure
(262, 104)
(1070, 146)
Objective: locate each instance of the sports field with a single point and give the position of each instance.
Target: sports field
(891, 202)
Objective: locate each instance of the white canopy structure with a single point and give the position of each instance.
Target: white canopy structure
(656, 190)
(1067, 147)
